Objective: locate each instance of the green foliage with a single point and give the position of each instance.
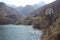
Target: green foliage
(27, 21)
(36, 22)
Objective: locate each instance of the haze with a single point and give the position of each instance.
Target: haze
(25, 2)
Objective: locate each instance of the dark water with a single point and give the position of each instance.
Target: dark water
(18, 32)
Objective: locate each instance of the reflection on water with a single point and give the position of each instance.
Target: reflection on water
(18, 32)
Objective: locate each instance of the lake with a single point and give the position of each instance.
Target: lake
(19, 32)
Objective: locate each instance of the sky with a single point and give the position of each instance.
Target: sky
(25, 2)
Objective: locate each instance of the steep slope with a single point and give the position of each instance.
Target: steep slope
(53, 32)
(48, 21)
(6, 11)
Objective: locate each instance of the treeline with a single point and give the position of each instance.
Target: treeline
(10, 19)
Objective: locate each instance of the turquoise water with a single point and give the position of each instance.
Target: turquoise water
(18, 32)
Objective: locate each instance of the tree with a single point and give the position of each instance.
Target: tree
(36, 22)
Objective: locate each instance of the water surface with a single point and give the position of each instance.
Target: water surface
(18, 32)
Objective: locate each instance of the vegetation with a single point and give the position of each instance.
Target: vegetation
(8, 15)
(27, 21)
(49, 24)
(53, 32)
(36, 22)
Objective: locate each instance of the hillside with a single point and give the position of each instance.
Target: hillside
(48, 21)
(19, 13)
(53, 32)
(28, 9)
(6, 11)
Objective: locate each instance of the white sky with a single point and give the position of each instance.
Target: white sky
(24, 2)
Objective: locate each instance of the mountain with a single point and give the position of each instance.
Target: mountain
(28, 9)
(12, 6)
(47, 19)
(29, 12)
(8, 14)
(12, 13)
(19, 8)
(40, 4)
